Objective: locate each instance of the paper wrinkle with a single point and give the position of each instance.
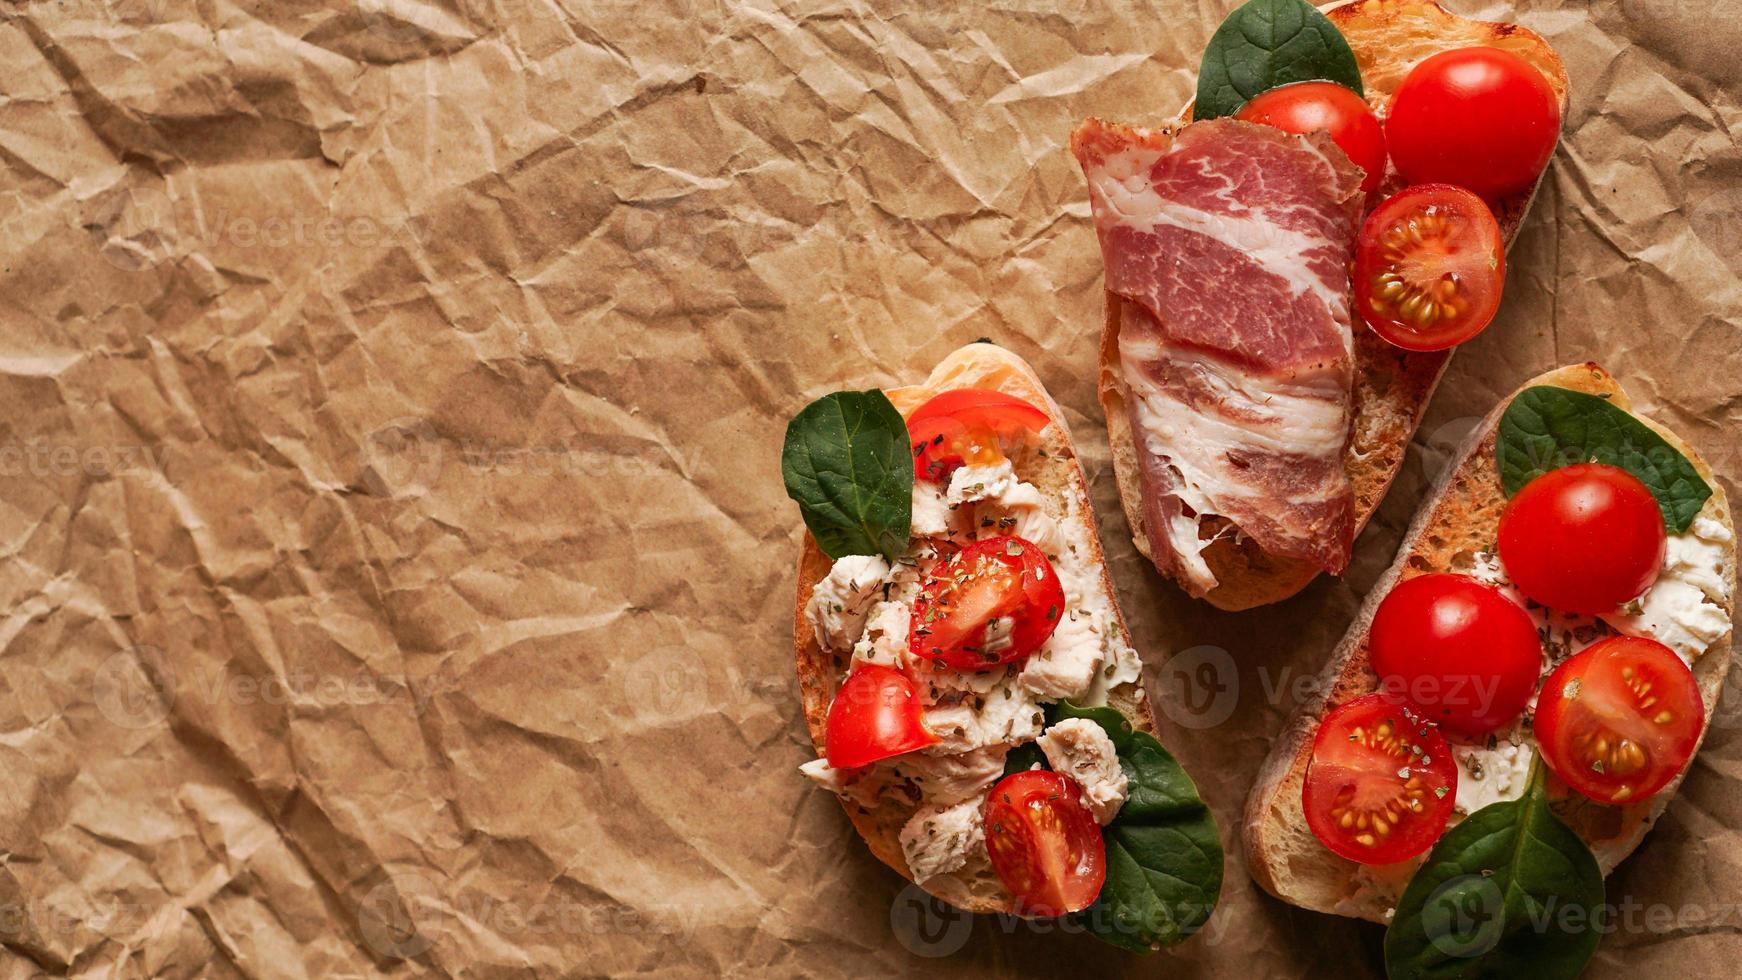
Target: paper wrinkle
(398, 575)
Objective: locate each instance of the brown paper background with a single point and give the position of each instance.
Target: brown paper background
(397, 577)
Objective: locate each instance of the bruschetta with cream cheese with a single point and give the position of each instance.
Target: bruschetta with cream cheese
(972, 693)
(1519, 698)
(1289, 267)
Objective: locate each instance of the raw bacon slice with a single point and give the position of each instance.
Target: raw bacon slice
(1227, 245)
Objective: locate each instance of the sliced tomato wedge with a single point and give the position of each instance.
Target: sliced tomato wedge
(1381, 782)
(876, 714)
(1044, 844)
(1619, 719)
(1429, 267)
(968, 425)
(992, 603)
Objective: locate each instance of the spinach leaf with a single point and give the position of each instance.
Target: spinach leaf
(1023, 758)
(1164, 854)
(1267, 43)
(1509, 892)
(848, 463)
(1547, 427)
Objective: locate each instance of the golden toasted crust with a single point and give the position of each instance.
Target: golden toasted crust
(1057, 475)
(1392, 386)
(1459, 520)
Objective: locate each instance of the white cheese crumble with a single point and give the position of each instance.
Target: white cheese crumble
(1087, 655)
(939, 840)
(1490, 775)
(840, 602)
(971, 483)
(864, 786)
(1080, 749)
(932, 515)
(950, 777)
(884, 639)
(1006, 715)
(1684, 608)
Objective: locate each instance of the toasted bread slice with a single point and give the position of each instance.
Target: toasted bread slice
(1460, 519)
(1392, 386)
(1059, 477)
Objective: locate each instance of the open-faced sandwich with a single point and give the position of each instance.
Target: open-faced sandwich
(1288, 268)
(966, 675)
(1520, 696)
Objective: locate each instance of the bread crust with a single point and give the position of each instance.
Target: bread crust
(978, 365)
(1460, 518)
(1392, 386)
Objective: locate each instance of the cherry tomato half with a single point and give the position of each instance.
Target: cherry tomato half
(1618, 720)
(1381, 784)
(1306, 107)
(1461, 652)
(876, 714)
(992, 603)
(1429, 267)
(1044, 844)
(1477, 117)
(967, 425)
(1583, 538)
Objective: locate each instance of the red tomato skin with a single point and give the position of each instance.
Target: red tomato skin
(1306, 107)
(1673, 684)
(965, 425)
(1483, 278)
(1015, 812)
(1478, 117)
(1583, 538)
(1036, 603)
(1329, 774)
(1463, 653)
(877, 714)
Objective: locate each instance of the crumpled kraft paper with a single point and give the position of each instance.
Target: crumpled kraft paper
(397, 574)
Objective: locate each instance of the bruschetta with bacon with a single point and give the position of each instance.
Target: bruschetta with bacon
(1289, 266)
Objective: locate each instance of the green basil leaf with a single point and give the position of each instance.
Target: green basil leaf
(1266, 43)
(1547, 427)
(849, 465)
(1509, 892)
(1164, 853)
